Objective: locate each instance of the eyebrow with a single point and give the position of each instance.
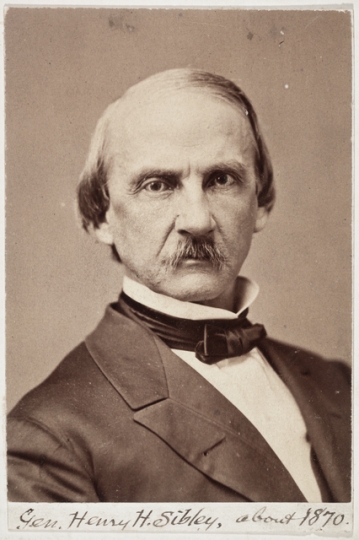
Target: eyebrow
(231, 166)
(139, 177)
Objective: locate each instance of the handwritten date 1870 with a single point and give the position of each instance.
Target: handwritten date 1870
(320, 517)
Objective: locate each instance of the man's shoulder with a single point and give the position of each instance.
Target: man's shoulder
(331, 375)
(85, 376)
(76, 379)
(74, 375)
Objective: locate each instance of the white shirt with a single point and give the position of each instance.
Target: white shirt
(247, 381)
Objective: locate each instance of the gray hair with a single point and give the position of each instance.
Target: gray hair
(92, 192)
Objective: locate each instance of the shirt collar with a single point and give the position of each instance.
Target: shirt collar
(246, 292)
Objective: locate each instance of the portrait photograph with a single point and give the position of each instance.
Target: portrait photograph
(179, 314)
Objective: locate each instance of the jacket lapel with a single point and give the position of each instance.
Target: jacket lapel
(129, 359)
(328, 430)
(173, 401)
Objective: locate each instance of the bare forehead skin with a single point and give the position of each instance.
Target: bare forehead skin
(182, 117)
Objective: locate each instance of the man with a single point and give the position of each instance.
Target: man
(176, 396)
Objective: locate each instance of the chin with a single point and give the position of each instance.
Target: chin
(198, 289)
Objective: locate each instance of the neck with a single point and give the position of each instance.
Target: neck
(235, 300)
(226, 300)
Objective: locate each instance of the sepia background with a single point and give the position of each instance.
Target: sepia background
(63, 67)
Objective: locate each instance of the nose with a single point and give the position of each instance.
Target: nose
(193, 213)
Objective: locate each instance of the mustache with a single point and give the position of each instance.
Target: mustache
(200, 248)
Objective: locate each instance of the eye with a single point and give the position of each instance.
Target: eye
(221, 180)
(157, 186)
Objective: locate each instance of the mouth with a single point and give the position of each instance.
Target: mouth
(197, 251)
(197, 262)
(194, 260)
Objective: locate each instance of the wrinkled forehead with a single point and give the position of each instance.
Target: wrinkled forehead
(158, 107)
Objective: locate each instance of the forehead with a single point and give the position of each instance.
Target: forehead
(179, 125)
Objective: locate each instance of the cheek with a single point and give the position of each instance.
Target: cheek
(137, 228)
(237, 217)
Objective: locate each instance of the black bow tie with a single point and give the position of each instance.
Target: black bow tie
(225, 339)
(211, 340)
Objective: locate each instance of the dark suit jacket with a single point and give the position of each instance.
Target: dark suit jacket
(122, 418)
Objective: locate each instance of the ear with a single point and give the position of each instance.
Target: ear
(261, 219)
(104, 233)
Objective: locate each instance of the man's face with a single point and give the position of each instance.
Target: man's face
(182, 172)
